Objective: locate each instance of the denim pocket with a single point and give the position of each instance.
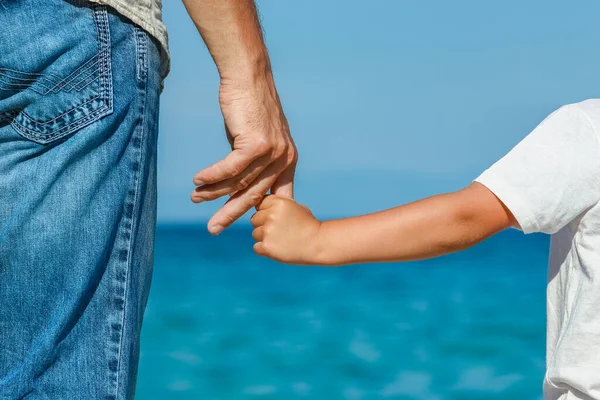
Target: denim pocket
(62, 83)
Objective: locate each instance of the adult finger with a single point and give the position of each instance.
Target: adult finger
(232, 165)
(284, 184)
(232, 185)
(243, 201)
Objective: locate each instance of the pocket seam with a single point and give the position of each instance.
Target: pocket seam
(6, 85)
(100, 17)
(30, 75)
(34, 121)
(57, 134)
(68, 81)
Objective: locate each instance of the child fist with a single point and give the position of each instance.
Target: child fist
(285, 231)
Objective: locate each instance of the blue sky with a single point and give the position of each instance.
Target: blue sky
(388, 101)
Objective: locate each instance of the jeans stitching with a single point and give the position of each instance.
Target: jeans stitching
(36, 122)
(8, 89)
(83, 85)
(103, 36)
(106, 75)
(141, 52)
(13, 86)
(55, 135)
(32, 74)
(26, 81)
(86, 81)
(35, 77)
(32, 79)
(65, 83)
(137, 142)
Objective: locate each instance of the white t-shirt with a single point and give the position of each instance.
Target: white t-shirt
(551, 183)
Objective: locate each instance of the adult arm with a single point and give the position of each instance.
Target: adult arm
(263, 153)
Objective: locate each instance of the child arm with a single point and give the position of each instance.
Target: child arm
(547, 181)
(442, 224)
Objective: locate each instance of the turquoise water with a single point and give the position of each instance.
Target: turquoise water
(222, 323)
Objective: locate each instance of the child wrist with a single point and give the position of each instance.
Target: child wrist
(321, 252)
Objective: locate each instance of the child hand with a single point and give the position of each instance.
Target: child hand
(285, 231)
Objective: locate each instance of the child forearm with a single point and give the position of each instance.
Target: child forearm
(288, 232)
(426, 228)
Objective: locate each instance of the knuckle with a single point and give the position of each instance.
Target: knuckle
(231, 218)
(262, 146)
(242, 184)
(292, 155)
(254, 198)
(279, 150)
(211, 196)
(227, 220)
(235, 170)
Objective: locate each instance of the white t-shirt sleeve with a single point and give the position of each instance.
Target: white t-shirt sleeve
(552, 176)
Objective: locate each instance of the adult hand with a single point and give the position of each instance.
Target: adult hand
(263, 153)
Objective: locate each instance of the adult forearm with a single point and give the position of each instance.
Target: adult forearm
(263, 156)
(427, 228)
(232, 33)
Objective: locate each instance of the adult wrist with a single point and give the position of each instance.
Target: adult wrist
(247, 72)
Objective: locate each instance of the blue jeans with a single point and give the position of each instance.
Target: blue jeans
(79, 96)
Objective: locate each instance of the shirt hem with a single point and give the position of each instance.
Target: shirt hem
(515, 203)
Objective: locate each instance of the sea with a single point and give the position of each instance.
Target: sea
(222, 323)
